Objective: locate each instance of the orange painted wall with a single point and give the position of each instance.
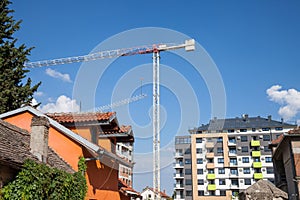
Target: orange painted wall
(22, 120)
(106, 144)
(83, 132)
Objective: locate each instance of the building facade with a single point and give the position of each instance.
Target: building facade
(125, 151)
(229, 155)
(286, 160)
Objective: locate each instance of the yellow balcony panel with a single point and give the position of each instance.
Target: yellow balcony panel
(256, 154)
(209, 145)
(210, 155)
(257, 165)
(255, 143)
(210, 165)
(211, 187)
(211, 176)
(258, 176)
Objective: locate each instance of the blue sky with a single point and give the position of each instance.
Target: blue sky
(254, 45)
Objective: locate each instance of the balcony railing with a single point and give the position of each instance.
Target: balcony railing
(209, 145)
(256, 154)
(210, 155)
(255, 143)
(258, 176)
(257, 165)
(211, 187)
(178, 165)
(210, 165)
(211, 176)
(178, 155)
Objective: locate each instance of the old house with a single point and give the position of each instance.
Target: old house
(286, 160)
(102, 163)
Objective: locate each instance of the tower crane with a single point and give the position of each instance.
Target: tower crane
(155, 49)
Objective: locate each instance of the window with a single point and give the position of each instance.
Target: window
(232, 140)
(210, 160)
(188, 171)
(187, 151)
(256, 159)
(278, 128)
(200, 193)
(247, 181)
(246, 170)
(244, 149)
(220, 160)
(270, 170)
(222, 182)
(212, 193)
(230, 130)
(199, 171)
(233, 161)
(219, 150)
(245, 160)
(149, 196)
(199, 150)
(222, 192)
(232, 150)
(234, 171)
(188, 161)
(234, 182)
(253, 129)
(243, 130)
(198, 140)
(200, 182)
(266, 149)
(266, 137)
(183, 140)
(211, 171)
(244, 138)
(188, 181)
(221, 171)
(265, 129)
(199, 161)
(268, 159)
(220, 140)
(188, 193)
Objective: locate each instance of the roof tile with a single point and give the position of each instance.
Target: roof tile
(80, 117)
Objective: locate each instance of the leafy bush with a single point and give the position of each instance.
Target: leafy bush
(40, 182)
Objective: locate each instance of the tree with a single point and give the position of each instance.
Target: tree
(14, 90)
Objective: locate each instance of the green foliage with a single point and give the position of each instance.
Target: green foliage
(14, 90)
(39, 182)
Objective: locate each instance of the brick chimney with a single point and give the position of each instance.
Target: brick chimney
(39, 137)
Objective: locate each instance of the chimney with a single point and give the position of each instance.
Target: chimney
(39, 138)
(269, 118)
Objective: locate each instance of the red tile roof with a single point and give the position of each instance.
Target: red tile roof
(80, 117)
(124, 188)
(278, 140)
(295, 131)
(162, 194)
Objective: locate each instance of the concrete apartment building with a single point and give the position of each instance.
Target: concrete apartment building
(125, 151)
(226, 156)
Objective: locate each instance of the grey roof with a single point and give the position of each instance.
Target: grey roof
(14, 149)
(243, 122)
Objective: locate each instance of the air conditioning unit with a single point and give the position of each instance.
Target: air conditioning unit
(263, 169)
(238, 137)
(260, 130)
(262, 158)
(240, 170)
(261, 137)
(239, 148)
(241, 181)
(262, 147)
(240, 159)
(237, 131)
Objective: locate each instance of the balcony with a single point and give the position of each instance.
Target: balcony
(255, 143)
(210, 165)
(209, 145)
(258, 176)
(178, 166)
(210, 155)
(257, 165)
(211, 187)
(179, 187)
(256, 154)
(211, 177)
(178, 176)
(178, 155)
(232, 154)
(231, 143)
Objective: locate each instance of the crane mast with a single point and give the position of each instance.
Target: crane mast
(155, 49)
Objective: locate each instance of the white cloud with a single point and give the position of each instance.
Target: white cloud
(58, 75)
(62, 104)
(288, 99)
(34, 102)
(39, 94)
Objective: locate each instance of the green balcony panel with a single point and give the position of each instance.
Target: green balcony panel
(256, 154)
(258, 176)
(255, 143)
(211, 187)
(211, 176)
(257, 165)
